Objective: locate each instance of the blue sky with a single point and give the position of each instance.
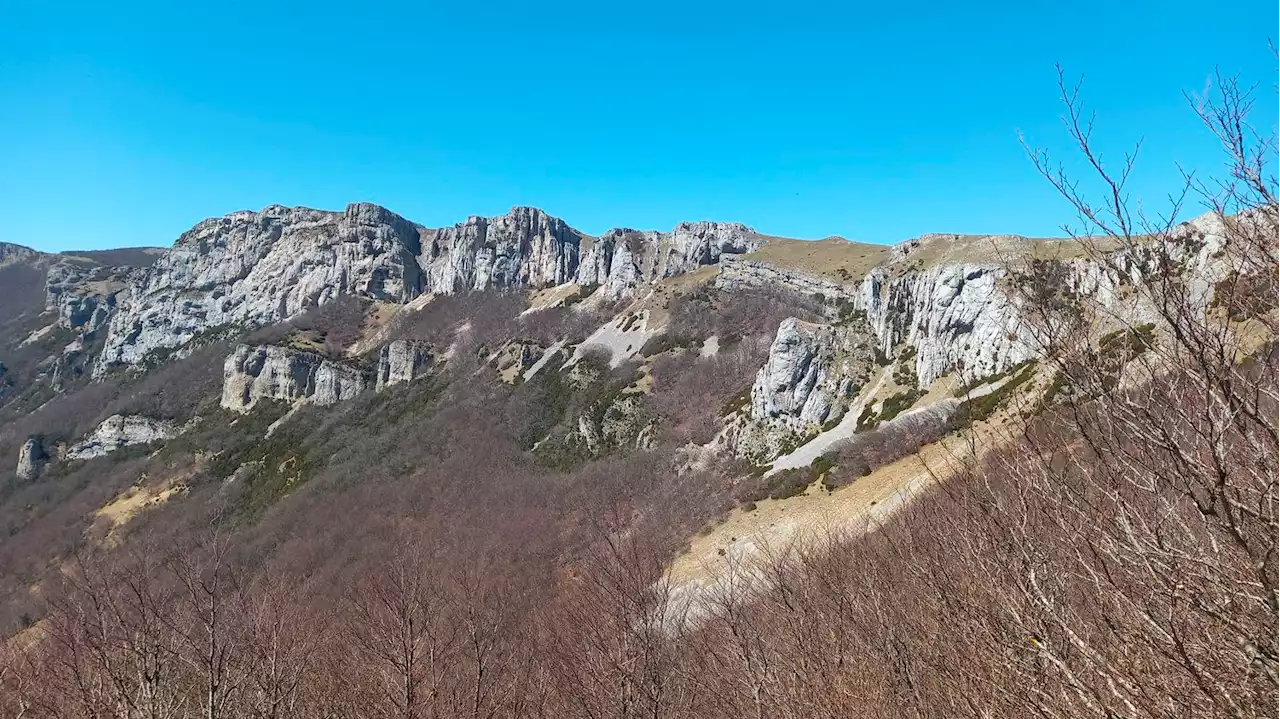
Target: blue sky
(125, 123)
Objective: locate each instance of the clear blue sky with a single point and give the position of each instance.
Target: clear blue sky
(124, 123)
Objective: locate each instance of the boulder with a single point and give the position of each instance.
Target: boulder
(31, 459)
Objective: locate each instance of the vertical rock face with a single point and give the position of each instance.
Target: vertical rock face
(31, 459)
(622, 259)
(255, 268)
(810, 368)
(252, 373)
(955, 316)
(402, 361)
(524, 248)
(118, 431)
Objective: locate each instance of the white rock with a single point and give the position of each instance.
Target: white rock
(266, 372)
(402, 361)
(254, 268)
(118, 431)
(31, 459)
(810, 368)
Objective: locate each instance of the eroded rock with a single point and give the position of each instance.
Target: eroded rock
(251, 373)
(31, 459)
(402, 361)
(119, 431)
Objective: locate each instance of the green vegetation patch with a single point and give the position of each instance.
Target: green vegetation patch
(981, 408)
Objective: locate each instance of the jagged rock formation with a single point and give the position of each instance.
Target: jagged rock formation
(622, 259)
(524, 248)
(812, 373)
(31, 459)
(119, 431)
(955, 315)
(255, 268)
(810, 368)
(402, 361)
(266, 372)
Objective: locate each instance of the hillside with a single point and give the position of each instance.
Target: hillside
(512, 420)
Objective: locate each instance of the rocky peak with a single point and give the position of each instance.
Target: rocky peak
(524, 248)
(11, 253)
(255, 268)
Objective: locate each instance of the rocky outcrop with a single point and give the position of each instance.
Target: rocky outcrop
(119, 431)
(31, 459)
(254, 268)
(402, 361)
(738, 273)
(524, 248)
(251, 373)
(528, 248)
(622, 259)
(956, 316)
(84, 296)
(12, 254)
(812, 372)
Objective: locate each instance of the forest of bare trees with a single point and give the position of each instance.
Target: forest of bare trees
(1116, 557)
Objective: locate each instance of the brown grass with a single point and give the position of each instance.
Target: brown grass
(833, 258)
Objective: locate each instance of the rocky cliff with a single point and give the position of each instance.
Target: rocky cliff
(811, 367)
(254, 268)
(249, 269)
(402, 361)
(253, 373)
(84, 296)
(945, 304)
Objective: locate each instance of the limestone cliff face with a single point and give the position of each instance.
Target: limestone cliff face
(254, 268)
(951, 316)
(266, 372)
(955, 316)
(119, 431)
(622, 260)
(524, 248)
(402, 361)
(810, 367)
